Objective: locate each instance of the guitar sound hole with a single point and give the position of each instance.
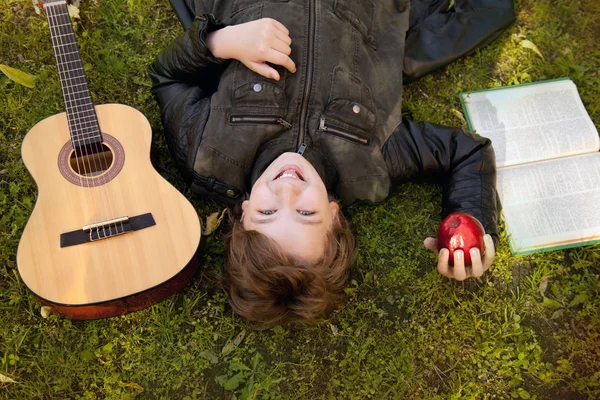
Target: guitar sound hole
(92, 168)
(90, 161)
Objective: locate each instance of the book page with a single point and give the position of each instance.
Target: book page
(551, 203)
(532, 122)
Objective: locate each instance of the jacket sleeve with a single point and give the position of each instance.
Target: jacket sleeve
(462, 162)
(184, 76)
(438, 35)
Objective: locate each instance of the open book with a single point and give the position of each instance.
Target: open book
(547, 153)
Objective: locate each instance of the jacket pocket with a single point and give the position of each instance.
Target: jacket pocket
(256, 93)
(349, 87)
(247, 131)
(359, 14)
(349, 120)
(259, 119)
(328, 126)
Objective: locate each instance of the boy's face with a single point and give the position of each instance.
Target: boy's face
(289, 203)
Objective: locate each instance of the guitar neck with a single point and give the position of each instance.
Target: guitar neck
(81, 116)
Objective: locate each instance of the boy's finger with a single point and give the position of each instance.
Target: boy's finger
(460, 273)
(476, 264)
(490, 252)
(264, 70)
(281, 47)
(442, 265)
(279, 58)
(431, 244)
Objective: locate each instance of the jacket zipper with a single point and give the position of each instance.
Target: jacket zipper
(259, 119)
(341, 133)
(300, 145)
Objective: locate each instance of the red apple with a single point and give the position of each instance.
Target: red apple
(460, 231)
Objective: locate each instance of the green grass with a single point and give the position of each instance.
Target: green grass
(404, 332)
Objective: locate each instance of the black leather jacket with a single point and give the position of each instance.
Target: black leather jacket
(341, 107)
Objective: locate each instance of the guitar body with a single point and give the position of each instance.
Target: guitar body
(117, 274)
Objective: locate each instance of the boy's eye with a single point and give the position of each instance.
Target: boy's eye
(306, 212)
(268, 212)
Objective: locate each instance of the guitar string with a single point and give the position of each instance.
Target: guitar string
(71, 104)
(76, 59)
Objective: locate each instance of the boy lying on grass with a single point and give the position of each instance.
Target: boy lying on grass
(299, 104)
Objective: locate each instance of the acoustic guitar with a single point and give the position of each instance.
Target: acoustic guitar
(108, 235)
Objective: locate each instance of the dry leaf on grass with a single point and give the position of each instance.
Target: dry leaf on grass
(459, 115)
(5, 379)
(232, 344)
(530, 45)
(45, 311)
(36, 7)
(73, 12)
(544, 285)
(132, 385)
(334, 329)
(213, 221)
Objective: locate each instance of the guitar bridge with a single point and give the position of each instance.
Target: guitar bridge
(106, 229)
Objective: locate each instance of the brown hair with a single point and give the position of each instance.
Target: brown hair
(267, 286)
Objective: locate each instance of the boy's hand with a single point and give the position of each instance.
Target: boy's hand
(254, 44)
(460, 272)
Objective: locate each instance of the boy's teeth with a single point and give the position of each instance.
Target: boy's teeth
(289, 174)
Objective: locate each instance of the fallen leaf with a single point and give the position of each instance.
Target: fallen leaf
(459, 115)
(3, 171)
(135, 386)
(16, 75)
(334, 329)
(45, 311)
(530, 45)
(73, 12)
(213, 221)
(36, 7)
(232, 344)
(543, 285)
(5, 379)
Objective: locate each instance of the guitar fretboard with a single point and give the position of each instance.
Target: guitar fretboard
(83, 122)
